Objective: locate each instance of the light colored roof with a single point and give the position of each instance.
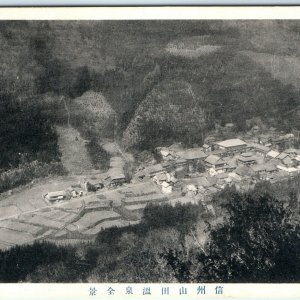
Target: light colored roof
(212, 189)
(247, 158)
(289, 135)
(154, 169)
(290, 170)
(56, 194)
(282, 155)
(175, 146)
(165, 152)
(287, 160)
(269, 167)
(235, 176)
(212, 159)
(191, 187)
(292, 151)
(257, 168)
(222, 175)
(202, 181)
(116, 173)
(165, 184)
(193, 153)
(247, 154)
(231, 143)
(273, 153)
(161, 177)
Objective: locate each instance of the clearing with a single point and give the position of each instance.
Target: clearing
(75, 157)
(284, 68)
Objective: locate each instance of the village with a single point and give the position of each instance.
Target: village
(193, 175)
(77, 211)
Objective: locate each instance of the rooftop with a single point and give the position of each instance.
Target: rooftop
(212, 159)
(273, 153)
(282, 155)
(56, 194)
(231, 143)
(154, 169)
(193, 153)
(247, 158)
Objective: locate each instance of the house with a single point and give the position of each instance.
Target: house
(215, 162)
(292, 151)
(229, 126)
(180, 162)
(235, 177)
(259, 148)
(209, 140)
(206, 148)
(297, 159)
(175, 147)
(55, 196)
(264, 168)
(160, 178)
(166, 188)
(264, 139)
(247, 160)
(282, 156)
(97, 184)
(191, 190)
(116, 177)
(154, 169)
(272, 154)
(231, 145)
(288, 161)
(284, 141)
(290, 170)
(203, 182)
(165, 153)
(192, 155)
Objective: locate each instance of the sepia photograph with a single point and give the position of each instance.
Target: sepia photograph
(148, 151)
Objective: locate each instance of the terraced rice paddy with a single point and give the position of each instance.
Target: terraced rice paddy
(45, 222)
(103, 225)
(144, 199)
(21, 227)
(12, 237)
(91, 219)
(9, 210)
(136, 207)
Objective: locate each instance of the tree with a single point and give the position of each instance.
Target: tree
(82, 82)
(258, 242)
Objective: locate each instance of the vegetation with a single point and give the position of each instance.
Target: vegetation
(26, 172)
(100, 158)
(135, 73)
(258, 241)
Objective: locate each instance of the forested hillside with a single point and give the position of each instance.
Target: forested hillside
(165, 81)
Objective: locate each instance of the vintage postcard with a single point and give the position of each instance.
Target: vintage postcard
(150, 152)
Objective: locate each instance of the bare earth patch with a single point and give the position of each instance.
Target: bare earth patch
(74, 157)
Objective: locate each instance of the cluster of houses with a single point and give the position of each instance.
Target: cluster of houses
(200, 172)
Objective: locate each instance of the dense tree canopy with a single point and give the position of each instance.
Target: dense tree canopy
(258, 242)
